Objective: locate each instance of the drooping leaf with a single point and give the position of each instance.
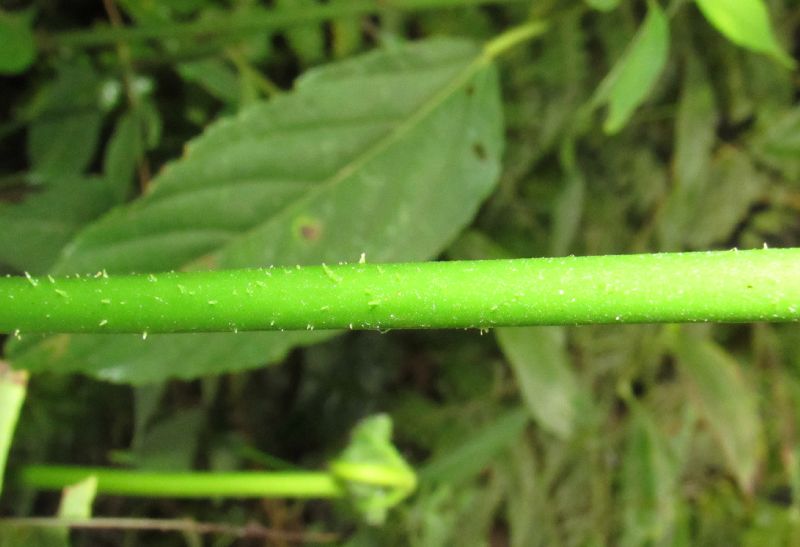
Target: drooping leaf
(635, 74)
(12, 394)
(18, 50)
(745, 23)
(727, 403)
(541, 367)
(348, 163)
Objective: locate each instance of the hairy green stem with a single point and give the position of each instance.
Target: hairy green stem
(273, 484)
(252, 23)
(726, 286)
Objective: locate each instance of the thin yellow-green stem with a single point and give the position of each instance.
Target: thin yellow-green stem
(294, 484)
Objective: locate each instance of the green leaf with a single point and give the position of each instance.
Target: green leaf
(778, 143)
(35, 230)
(541, 366)
(712, 190)
(745, 23)
(67, 117)
(215, 76)
(568, 206)
(125, 148)
(727, 402)
(19, 48)
(347, 164)
(724, 198)
(695, 137)
(373, 471)
(649, 483)
(170, 444)
(13, 386)
(636, 73)
(467, 460)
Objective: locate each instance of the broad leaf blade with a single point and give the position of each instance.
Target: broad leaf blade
(387, 154)
(633, 77)
(35, 230)
(745, 23)
(726, 402)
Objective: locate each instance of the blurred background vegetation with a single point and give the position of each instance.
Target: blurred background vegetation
(629, 126)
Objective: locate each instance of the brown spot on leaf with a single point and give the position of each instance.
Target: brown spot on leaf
(310, 232)
(479, 151)
(308, 229)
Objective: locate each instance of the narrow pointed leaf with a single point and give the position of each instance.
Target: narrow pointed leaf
(635, 74)
(468, 459)
(13, 386)
(727, 403)
(745, 23)
(76, 500)
(649, 483)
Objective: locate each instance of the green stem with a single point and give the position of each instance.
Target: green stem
(727, 286)
(253, 23)
(274, 484)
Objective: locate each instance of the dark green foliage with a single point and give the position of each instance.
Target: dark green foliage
(222, 135)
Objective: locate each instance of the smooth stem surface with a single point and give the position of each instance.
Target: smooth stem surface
(280, 484)
(726, 286)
